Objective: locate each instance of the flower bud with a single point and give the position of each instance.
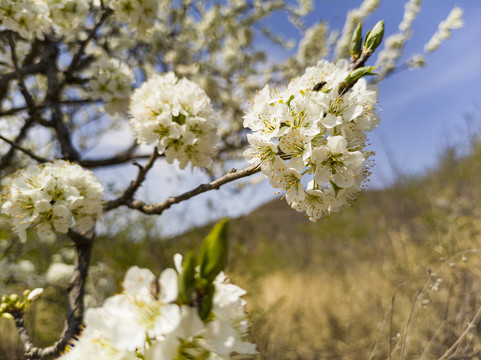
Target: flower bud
(355, 75)
(3, 307)
(356, 43)
(34, 294)
(374, 37)
(213, 252)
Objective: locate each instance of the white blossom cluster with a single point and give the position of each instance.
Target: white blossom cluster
(48, 197)
(176, 114)
(453, 21)
(146, 322)
(140, 15)
(394, 44)
(34, 18)
(299, 132)
(111, 82)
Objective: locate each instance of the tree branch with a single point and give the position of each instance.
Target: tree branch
(134, 185)
(25, 151)
(31, 107)
(119, 158)
(75, 301)
(7, 157)
(213, 185)
(78, 55)
(43, 105)
(22, 331)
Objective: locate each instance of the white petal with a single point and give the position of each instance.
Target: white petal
(168, 286)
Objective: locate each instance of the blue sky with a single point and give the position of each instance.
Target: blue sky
(421, 111)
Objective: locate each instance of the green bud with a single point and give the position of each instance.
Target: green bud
(213, 252)
(7, 316)
(374, 37)
(355, 75)
(356, 42)
(3, 307)
(187, 278)
(13, 298)
(206, 304)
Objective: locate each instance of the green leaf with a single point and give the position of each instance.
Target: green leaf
(213, 252)
(187, 278)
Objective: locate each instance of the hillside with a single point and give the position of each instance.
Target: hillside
(398, 273)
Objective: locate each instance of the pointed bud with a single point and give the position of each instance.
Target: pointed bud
(187, 279)
(34, 294)
(356, 43)
(213, 252)
(374, 37)
(355, 75)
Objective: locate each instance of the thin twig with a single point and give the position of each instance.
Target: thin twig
(213, 185)
(25, 151)
(390, 318)
(406, 328)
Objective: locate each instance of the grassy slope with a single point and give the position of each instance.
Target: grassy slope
(324, 290)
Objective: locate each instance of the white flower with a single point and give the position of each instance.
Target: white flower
(138, 14)
(334, 163)
(261, 152)
(67, 15)
(29, 18)
(288, 177)
(111, 82)
(59, 274)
